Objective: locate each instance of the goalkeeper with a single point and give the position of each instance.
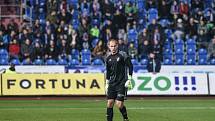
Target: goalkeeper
(117, 80)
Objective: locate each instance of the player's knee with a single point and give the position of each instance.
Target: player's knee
(119, 104)
(110, 103)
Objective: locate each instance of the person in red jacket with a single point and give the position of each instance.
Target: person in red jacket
(14, 49)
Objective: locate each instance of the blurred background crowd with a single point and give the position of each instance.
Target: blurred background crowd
(74, 32)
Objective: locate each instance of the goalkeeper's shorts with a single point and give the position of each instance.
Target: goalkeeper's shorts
(116, 93)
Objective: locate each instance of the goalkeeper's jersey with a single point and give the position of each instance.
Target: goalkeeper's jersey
(117, 68)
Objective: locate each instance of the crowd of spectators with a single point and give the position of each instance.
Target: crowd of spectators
(89, 24)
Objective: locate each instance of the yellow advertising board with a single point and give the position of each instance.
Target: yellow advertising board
(53, 84)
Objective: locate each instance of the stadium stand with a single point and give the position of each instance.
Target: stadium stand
(43, 21)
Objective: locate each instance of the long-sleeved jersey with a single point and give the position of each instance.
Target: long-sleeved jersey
(117, 67)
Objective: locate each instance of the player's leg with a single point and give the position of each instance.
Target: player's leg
(110, 103)
(122, 109)
(120, 103)
(111, 96)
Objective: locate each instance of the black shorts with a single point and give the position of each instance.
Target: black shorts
(116, 93)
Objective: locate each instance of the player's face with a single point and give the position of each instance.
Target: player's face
(113, 46)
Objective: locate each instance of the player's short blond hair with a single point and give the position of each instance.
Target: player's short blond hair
(113, 40)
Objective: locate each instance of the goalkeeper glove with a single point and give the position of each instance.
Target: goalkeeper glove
(128, 83)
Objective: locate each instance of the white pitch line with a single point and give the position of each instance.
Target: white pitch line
(129, 108)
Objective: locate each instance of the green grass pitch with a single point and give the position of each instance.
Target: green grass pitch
(94, 110)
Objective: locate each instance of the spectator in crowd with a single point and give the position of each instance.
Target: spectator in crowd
(12, 26)
(2, 45)
(37, 51)
(202, 27)
(154, 57)
(74, 40)
(123, 46)
(151, 27)
(2, 27)
(26, 49)
(131, 15)
(174, 8)
(84, 27)
(14, 49)
(202, 39)
(183, 8)
(211, 48)
(109, 29)
(164, 9)
(132, 50)
(95, 6)
(51, 51)
(191, 28)
(64, 51)
(119, 20)
(179, 30)
(151, 4)
(107, 9)
(94, 32)
(85, 42)
(188, 19)
(99, 50)
(143, 44)
(122, 34)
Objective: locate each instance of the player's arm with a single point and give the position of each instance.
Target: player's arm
(107, 75)
(130, 72)
(129, 65)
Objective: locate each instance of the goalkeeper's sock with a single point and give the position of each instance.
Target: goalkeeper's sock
(124, 112)
(109, 114)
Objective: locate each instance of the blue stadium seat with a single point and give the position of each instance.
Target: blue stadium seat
(191, 59)
(97, 62)
(202, 51)
(3, 62)
(190, 42)
(179, 50)
(179, 42)
(132, 35)
(86, 56)
(75, 53)
(26, 62)
(152, 14)
(167, 44)
(95, 22)
(51, 62)
(202, 61)
(62, 62)
(86, 61)
(167, 53)
(15, 61)
(141, 5)
(74, 62)
(134, 61)
(168, 33)
(75, 15)
(212, 61)
(38, 62)
(75, 23)
(144, 61)
(94, 42)
(179, 59)
(167, 61)
(85, 52)
(164, 22)
(4, 54)
(202, 56)
(191, 49)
